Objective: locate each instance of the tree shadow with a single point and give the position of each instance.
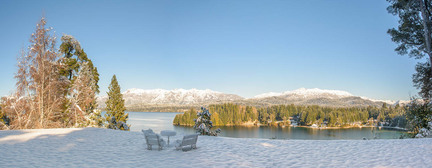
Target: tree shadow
(22, 136)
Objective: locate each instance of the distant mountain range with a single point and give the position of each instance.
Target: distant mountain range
(181, 99)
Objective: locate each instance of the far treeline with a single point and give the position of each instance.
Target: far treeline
(283, 115)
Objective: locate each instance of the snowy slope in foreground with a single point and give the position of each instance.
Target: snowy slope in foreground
(95, 147)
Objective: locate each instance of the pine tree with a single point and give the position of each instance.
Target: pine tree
(73, 59)
(203, 123)
(115, 108)
(71, 47)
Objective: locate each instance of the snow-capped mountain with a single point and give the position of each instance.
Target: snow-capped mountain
(136, 96)
(308, 93)
(182, 99)
(269, 94)
(317, 96)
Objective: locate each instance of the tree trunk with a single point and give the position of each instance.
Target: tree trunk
(426, 27)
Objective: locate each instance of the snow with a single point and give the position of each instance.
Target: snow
(175, 96)
(389, 102)
(270, 94)
(182, 92)
(97, 147)
(315, 92)
(196, 96)
(308, 93)
(425, 132)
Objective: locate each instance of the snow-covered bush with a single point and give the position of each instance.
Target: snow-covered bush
(203, 124)
(419, 115)
(425, 132)
(120, 125)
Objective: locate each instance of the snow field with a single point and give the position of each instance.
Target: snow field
(96, 147)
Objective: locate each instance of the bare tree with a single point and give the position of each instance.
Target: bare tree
(40, 97)
(83, 97)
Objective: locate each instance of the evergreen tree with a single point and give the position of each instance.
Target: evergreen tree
(422, 79)
(413, 34)
(419, 115)
(115, 108)
(81, 92)
(74, 57)
(203, 123)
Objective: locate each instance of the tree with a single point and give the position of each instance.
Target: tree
(39, 99)
(422, 79)
(203, 123)
(418, 115)
(71, 47)
(413, 34)
(45, 95)
(81, 93)
(3, 119)
(74, 57)
(414, 37)
(115, 108)
(82, 102)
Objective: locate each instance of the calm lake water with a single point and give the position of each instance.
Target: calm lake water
(163, 121)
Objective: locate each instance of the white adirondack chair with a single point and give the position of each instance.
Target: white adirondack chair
(153, 139)
(187, 140)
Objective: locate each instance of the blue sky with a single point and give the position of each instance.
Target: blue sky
(242, 47)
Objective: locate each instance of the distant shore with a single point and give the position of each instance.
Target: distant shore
(366, 126)
(252, 124)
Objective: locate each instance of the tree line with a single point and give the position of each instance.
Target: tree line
(282, 115)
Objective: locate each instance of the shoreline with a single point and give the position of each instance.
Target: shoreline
(309, 127)
(367, 126)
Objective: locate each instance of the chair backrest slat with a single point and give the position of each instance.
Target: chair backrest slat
(152, 139)
(189, 139)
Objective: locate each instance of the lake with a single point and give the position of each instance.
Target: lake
(163, 121)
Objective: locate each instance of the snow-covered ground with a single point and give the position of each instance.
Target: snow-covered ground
(96, 147)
